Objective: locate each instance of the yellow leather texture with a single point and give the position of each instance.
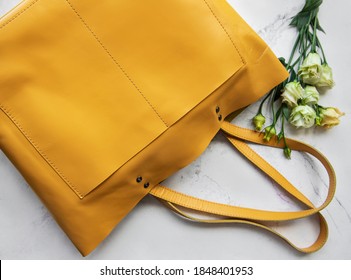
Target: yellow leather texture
(94, 94)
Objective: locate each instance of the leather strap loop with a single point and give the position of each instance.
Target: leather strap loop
(318, 244)
(237, 137)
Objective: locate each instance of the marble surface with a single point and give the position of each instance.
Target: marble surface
(27, 230)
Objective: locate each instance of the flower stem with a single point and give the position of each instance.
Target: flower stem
(321, 48)
(297, 43)
(314, 40)
(263, 101)
(305, 42)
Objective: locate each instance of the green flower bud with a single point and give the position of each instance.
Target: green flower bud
(258, 121)
(303, 116)
(319, 120)
(311, 69)
(287, 152)
(269, 133)
(280, 136)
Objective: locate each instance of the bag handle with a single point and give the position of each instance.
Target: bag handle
(237, 137)
(319, 242)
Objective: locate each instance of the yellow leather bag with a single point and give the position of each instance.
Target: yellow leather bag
(100, 101)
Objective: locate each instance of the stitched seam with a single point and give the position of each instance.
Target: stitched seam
(225, 30)
(231, 208)
(115, 61)
(18, 14)
(199, 208)
(30, 139)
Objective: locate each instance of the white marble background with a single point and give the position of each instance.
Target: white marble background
(27, 231)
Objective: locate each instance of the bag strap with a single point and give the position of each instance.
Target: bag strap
(319, 242)
(237, 137)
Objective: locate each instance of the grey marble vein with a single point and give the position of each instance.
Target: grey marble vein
(273, 30)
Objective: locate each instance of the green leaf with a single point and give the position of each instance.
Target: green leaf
(319, 27)
(307, 14)
(282, 61)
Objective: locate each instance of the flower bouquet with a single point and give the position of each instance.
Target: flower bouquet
(298, 96)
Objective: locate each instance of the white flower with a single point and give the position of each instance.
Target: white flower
(310, 95)
(303, 116)
(311, 69)
(330, 117)
(326, 79)
(293, 91)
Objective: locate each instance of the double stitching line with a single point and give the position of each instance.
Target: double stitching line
(225, 30)
(115, 61)
(45, 157)
(18, 14)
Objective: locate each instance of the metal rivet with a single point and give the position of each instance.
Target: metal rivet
(218, 109)
(146, 185)
(220, 117)
(139, 179)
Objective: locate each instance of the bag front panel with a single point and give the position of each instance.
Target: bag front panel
(177, 52)
(107, 78)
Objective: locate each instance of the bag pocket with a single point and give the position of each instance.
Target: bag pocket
(84, 111)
